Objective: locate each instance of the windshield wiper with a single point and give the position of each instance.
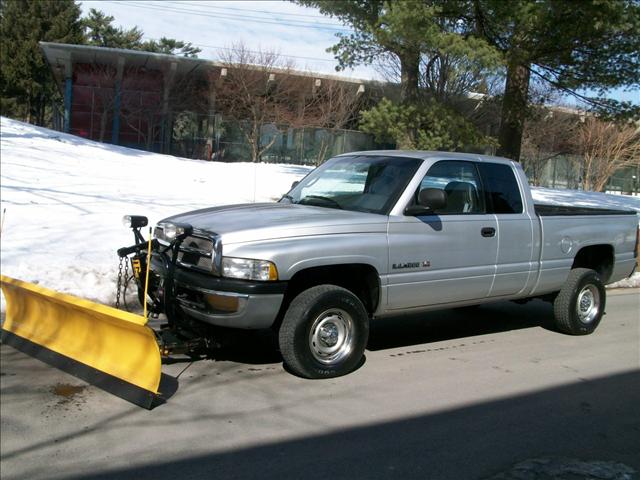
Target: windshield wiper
(322, 199)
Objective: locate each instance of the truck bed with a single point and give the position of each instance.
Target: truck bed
(564, 210)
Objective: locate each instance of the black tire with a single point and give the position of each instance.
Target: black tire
(318, 321)
(579, 306)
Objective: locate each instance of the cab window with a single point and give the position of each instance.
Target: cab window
(461, 183)
(501, 188)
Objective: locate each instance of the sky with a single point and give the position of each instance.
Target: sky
(298, 33)
(301, 33)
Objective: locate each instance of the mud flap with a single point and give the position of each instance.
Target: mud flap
(109, 348)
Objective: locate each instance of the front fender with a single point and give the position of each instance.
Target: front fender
(292, 255)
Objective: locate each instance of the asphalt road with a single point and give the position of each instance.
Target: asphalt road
(448, 395)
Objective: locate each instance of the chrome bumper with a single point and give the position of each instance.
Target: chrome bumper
(248, 311)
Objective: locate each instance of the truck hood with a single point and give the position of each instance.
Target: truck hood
(265, 221)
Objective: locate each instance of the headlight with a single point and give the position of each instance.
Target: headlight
(171, 231)
(248, 269)
(158, 232)
(134, 221)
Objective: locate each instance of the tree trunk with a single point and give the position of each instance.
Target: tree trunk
(409, 76)
(514, 109)
(255, 142)
(29, 115)
(601, 184)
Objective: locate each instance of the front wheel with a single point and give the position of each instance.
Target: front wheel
(324, 332)
(579, 306)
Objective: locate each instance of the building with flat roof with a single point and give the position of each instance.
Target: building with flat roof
(188, 106)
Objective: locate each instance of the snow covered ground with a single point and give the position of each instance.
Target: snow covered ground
(65, 196)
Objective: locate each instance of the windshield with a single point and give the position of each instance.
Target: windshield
(360, 183)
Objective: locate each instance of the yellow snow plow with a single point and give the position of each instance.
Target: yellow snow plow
(110, 348)
(113, 349)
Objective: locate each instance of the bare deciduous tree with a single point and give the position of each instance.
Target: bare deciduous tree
(444, 76)
(264, 95)
(258, 90)
(140, 105)
(547, 135)
(605, 148)
(101, 79)
(331, 105)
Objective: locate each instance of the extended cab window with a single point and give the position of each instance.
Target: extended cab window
(501, 188)
(461, 183)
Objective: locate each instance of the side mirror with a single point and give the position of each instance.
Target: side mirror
(295, 184)
(432, 198)
(429, 200)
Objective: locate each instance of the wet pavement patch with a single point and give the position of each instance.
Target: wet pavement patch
(67, 392)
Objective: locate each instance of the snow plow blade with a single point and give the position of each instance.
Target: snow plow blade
(109, 348)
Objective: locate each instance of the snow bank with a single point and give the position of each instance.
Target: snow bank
(65, 196)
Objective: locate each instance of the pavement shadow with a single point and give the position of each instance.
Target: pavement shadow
(591, 419)
(436, 326)
(253, 347)
(261, 347)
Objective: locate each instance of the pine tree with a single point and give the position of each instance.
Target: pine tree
(171, 46)
(569, 44)
(100, 32)
(411, 33)
(26, 83)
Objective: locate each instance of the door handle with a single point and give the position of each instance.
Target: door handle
(488, 232)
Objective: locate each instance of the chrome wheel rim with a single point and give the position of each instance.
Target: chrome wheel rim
(588, 304)
(331, 336)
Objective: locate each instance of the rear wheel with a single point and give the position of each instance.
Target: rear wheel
(324, 332)
(579, 306)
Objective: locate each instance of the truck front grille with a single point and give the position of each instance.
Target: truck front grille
(196, 251)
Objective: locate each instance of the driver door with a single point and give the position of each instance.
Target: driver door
(447, 256)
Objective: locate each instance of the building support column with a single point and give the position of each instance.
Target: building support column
(211, 121)
(68, 94)
(115, 126)
(165, 125)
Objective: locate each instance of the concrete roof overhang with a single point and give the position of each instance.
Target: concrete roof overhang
(61, 57)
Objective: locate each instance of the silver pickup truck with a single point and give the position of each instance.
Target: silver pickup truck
(383, 233)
